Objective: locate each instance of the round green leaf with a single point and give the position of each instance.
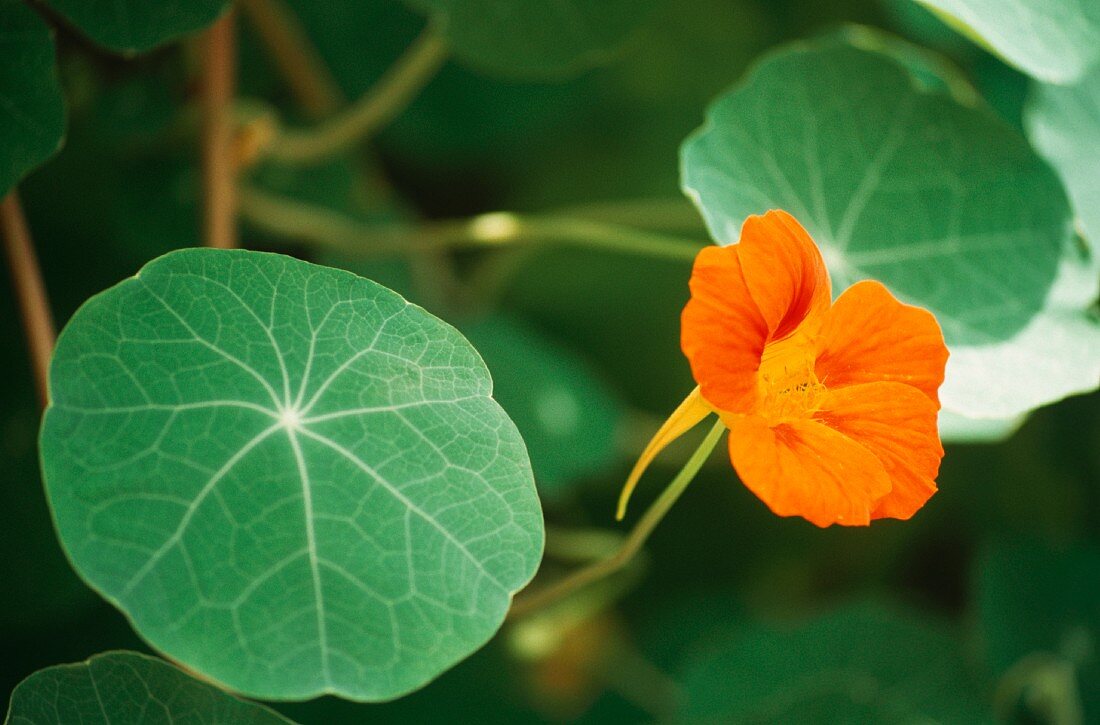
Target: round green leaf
(536, 37)
(32, 114)
(135, 26)
(1055, 355)
(944, 203)
(127, 687)
(1053, 40)
(1064, 124)
(289, 478)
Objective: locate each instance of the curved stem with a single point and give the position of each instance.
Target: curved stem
(29, 289)
(325, 228)
(639, 534)
(393, 92)
(298, 61)
(218, 160)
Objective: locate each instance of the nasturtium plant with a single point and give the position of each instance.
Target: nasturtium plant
(1052, 40)
(314, 479)
(127, 687)
(290, 479)
(32, 113)
(137, 26)
(944, 203)
(536, 37)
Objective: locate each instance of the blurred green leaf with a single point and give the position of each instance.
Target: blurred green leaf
(863, 663)
(32, 113)
(1053, 40)
(923, 25)
(1056, 355)
(1039, 610)
(930, 71)
(127, 687)
(289, 478)
(536, 37)
(955, 428)
(136, 26)
(568, 417)
(1064, 124)
(943, 203)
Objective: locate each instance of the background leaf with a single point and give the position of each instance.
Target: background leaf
(1057, 354)
(32, 114)
(1064, 124)
(943, 203)
(136, 26)
(536, 37)
(862, 663)
(1053, 40)
(567, 416)
(1039, 608)
(127, 687)
(289, 479)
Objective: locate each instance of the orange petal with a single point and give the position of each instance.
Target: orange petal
(784, 271)
(683, 419)
(722, 332)
(897, 423)
(869, 336)
(806, 469)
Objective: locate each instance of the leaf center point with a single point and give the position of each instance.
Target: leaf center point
(290, 418)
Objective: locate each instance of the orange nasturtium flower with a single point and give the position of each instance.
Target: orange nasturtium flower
(831, 407)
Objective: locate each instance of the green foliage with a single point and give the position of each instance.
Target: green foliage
(568, 417)
(32, 114)
(536, 37)
(1052, 40)
(1064, 124)
(571, 114)
(862, 663)
(911, 188)
(289, 478)
(1055, 355)
(1039, 608)
(137, 26)
(127, 687)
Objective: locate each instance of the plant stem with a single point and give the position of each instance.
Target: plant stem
(34, 306)
(393, 92)
(325, 228)
(298, 61)
(634, 541)
(218, 158)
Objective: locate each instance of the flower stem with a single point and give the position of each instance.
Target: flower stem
(297, 59)
(324, 228)
(393, 92)
(34, 305)
(218, 154)
(634, 541)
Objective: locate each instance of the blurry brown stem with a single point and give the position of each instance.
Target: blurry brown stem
(218, 153)
(377, 107)
(34, 306)
(301, 66)
(528, 603)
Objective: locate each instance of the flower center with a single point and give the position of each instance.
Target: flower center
(789, 388)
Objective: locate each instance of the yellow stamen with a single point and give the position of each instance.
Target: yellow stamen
(684, 418)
